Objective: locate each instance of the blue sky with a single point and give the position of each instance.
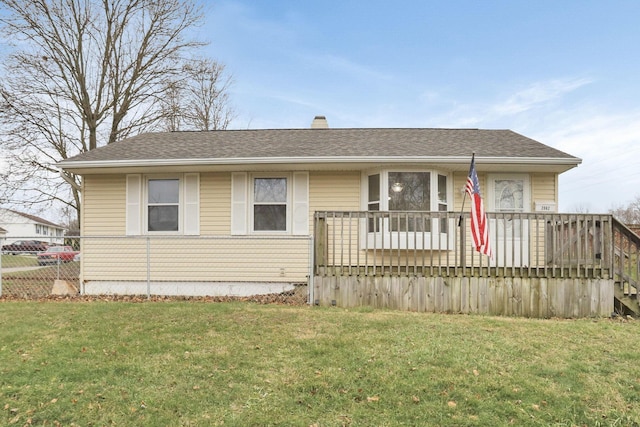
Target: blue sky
(566, 73)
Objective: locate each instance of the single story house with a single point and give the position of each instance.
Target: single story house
(20, 225)
(234, 212)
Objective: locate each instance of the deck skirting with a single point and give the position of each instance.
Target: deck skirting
(508, 296)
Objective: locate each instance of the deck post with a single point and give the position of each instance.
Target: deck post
(320, 240)
(462, 227)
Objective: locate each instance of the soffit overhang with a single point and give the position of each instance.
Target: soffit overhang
(452, 164)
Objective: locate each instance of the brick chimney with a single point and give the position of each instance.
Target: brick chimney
(319, 122)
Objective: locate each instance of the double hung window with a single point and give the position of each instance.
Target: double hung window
(163, 204)
(270, 203)
(270, 199)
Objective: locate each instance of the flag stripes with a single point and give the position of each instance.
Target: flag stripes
(479, 221)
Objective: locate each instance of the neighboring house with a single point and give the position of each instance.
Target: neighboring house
(237, 206)
(21, 226)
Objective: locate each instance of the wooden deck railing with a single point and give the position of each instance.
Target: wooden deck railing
(626, 261)
(439, 244)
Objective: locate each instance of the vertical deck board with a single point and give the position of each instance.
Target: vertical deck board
(530, 297)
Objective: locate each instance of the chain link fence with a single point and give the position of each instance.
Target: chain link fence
(31, 266)
(158, 265)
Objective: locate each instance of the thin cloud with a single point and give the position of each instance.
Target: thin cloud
(342, 65)
(607, 143)
(537, 94)
(515, 108)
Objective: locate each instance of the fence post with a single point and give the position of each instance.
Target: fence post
(148, 267)
(1, 242)
(3, 233)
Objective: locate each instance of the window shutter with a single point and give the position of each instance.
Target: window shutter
(300, 203)
(239, 203)
(133, 208)
(191, 204)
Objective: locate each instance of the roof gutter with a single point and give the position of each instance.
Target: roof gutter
(570, 161)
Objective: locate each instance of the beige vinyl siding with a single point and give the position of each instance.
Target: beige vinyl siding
(213, 256)
(333, 191)
(336, 191)
(544, 187)
(215, 204)
(117, 258)
(459, 182)
(197, 259)
(104, 205)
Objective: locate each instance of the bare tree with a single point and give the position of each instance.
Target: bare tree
(628, 214)
(581, 208)
(199, 99)
(83, 73)
(171, 105)
(208, 96)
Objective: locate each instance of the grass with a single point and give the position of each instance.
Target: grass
(184, 363)
(12, 261)
(33, 283)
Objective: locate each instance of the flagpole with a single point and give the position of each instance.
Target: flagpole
(464, 198)
(463, 260)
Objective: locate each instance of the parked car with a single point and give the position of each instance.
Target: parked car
(57, 254)
(25, 246)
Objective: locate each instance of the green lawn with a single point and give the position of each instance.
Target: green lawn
(12, 261)
(23, 278)
(184, 363)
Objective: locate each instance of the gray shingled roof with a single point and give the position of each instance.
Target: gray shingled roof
(320, 143)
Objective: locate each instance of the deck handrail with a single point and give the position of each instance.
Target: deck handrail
(438, 244)
(626, 259)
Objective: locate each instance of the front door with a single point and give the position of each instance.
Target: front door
(509, 195)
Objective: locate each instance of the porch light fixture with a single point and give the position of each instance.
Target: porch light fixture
(397, 187)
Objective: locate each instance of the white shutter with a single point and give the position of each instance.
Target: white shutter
(134, 205)
(191, 225)
(300, 203)
(239, 203)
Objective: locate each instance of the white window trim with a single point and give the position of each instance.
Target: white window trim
(300, 204)
(490, 191)
(145, 202)
(239, 203)
(387, 239)
(384, 188)
(137, 204)
(297, 203)
(288, 222)
(133, 208)
(514, 233)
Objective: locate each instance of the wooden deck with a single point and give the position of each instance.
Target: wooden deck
(545, 265)
(529, 297)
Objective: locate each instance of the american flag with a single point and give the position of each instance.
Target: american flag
(479, 222)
